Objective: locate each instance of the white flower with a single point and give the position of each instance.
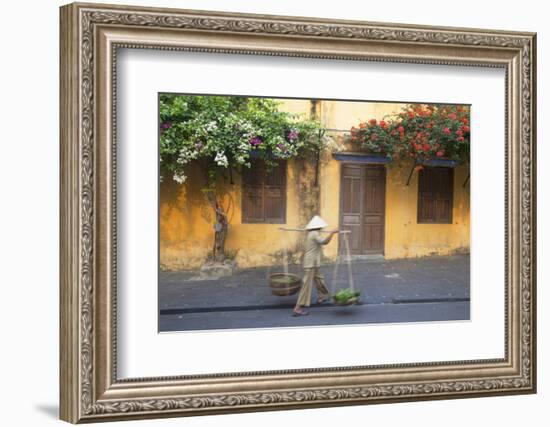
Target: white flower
(211, 126)
(180, 177)
(240, 159)
(244, 146)
(186, 154)
(221, 159)
(248, 130)
(278, 140)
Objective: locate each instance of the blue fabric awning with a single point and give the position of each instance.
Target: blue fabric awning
(362, 158)
(439, 162)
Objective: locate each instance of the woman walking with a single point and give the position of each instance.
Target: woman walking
(312, 261)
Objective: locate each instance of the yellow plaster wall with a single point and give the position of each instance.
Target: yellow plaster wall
(342, 115)
(329, 177)
(186, 223)
(345, 114)
(406, 238)
(187, 234)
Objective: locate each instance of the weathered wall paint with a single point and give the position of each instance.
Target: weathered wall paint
(186, 222)
(406, 238)
(186, 226)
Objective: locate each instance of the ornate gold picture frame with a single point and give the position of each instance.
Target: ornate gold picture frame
(91, 390)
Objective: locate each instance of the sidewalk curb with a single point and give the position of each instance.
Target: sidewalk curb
(175, 311)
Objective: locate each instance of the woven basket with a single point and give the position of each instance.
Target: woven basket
(281, 287)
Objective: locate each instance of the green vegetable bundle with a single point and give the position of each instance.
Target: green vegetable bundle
(345, 296)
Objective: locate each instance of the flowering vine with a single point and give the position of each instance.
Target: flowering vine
(419, 131)
(226, 131)
(222, 134)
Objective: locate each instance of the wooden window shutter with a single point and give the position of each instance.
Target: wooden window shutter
(435, 195)
(275, 194)
(252, 193)
(264, 193)
(444, 195)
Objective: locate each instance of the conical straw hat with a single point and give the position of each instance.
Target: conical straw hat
(316, 222)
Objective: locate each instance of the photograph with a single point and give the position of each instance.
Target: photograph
(290, 212)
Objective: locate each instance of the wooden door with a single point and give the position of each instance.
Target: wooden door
(351, 206)
(363, 207)
(374, 209)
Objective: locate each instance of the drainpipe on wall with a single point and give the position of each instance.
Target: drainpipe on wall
(315, 113)
(318, 158)
(315, 109)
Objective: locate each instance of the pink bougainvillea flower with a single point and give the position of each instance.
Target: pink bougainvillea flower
(466, 128)
(257, 140)
(293, 135)
(452, 116)
(165, 126)
(440, 153)
(447, 131)
(383, 124)
(372, 122)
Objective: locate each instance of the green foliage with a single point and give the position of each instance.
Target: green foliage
(224, 132)
(419, 131)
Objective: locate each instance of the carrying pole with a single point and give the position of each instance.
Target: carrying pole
(321, 231)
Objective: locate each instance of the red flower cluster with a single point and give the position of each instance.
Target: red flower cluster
(418, 131)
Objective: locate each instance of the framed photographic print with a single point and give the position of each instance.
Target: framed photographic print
(267, 212)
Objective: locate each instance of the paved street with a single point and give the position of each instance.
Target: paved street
(412, 290)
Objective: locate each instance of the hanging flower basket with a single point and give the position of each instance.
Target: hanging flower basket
(283, 285)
